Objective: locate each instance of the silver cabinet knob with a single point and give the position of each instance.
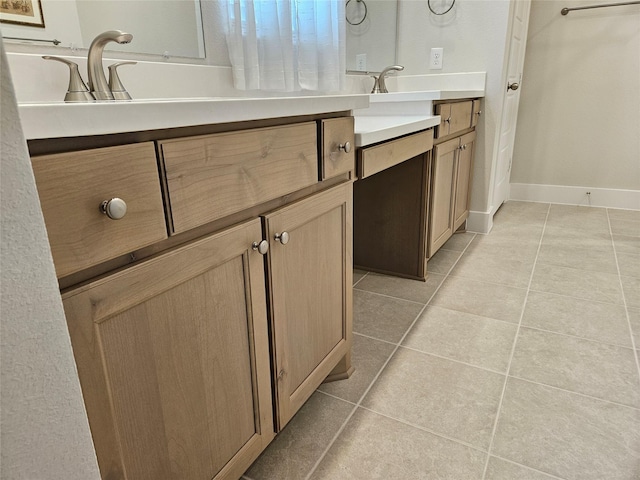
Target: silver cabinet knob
(447, 120)
(479, 112)
(115, 209)
(261, 247)
(513, 86)
(283, 237)
(346, 147)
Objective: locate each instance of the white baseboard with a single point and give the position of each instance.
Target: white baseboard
(568, 195)
(480, 222)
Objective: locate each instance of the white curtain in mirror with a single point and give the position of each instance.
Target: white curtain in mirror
(287, 45)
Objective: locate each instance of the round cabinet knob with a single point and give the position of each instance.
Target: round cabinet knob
(479, 112)
(115, 209)
(283, 237)
(513, 86)
(261, 247)
(447, 120)
(346, 147)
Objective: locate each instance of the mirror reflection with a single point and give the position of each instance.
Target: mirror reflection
(179, 29)
(371, 34)
(172, 28)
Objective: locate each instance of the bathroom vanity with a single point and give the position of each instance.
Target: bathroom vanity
(206, 277)
(414, 179)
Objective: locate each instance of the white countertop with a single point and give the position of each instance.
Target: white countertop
(373, 129)
(59, 119)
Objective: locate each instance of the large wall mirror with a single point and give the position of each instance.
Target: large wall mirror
(177, 30)
(188, 31)
(371, 34)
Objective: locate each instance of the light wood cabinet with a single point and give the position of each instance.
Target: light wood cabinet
(194, 348)
(173, 359)
(310, 274)
(391, 209)
(450, 189)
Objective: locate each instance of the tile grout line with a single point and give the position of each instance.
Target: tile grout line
(513, 349)
(573, 392)
(375, 379)
(550, 475)
(586, 339)
(389, 296)
(360, 279)
(624, 298)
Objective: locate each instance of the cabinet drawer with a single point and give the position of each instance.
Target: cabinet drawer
(454, 117)
(212, 176)
(375, 159)
(72, 187)
(337, 133)
(476, 112)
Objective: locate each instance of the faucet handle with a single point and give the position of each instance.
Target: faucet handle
(118, 90)
(376, 84)
(77, 91)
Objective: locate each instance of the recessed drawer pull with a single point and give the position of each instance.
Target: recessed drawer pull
(283, 237)
(261, 247)
(346, 148)
(115, 209)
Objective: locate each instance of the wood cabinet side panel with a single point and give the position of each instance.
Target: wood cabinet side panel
(214, 176)
(71, 187)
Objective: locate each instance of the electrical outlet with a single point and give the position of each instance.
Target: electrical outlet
(437, 56)
(361, 62)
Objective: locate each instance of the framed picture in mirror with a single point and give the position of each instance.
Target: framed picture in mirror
(22, 12)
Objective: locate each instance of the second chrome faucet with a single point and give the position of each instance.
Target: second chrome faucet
(99, 88)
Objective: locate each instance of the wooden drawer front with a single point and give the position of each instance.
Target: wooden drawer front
(454, 117)
(73, 185)
(375, 159)
(476, 113)
(336, 161)
(213, 176)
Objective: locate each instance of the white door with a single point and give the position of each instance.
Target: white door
(519, 23)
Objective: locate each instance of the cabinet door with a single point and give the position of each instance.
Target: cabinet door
(311, 293)
(173, 359)
(464, 171)
(442, 194)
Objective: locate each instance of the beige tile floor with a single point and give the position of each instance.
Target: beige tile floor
(517, 359)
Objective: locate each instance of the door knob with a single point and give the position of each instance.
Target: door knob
(513, 86)
(283, 237)
(115, 209)
(261, 247)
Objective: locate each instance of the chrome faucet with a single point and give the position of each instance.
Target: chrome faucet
(97, 80)
(378, 84)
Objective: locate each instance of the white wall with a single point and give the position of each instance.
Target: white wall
(579, 118)
(43, 425)
(473, 36)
